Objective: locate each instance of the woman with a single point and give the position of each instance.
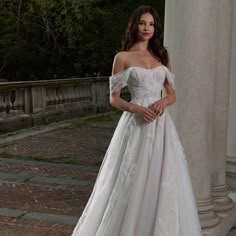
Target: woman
(143, 187)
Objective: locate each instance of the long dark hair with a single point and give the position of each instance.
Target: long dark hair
(155, 43)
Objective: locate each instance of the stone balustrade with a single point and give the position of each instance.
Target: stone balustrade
(26, 104)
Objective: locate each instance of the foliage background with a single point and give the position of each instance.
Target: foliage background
(50, 39)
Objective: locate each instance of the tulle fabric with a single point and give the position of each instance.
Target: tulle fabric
(143, 187)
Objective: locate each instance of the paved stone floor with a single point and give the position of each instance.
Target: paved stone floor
(47, 174)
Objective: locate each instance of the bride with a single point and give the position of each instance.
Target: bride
(143, 187)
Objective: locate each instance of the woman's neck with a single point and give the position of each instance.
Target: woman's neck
(140, 46)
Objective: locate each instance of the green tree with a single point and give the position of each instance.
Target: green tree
(47, 39)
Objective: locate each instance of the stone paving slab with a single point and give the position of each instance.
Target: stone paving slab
(42, 166)
(78, 143)
(12, 212)
(45, 198)
(59, 219)
(54, 202)
(40, 193)
(17, 135)
(63, 181)
(82, 143)
(10, 226)
(42, 179)
(14, 177)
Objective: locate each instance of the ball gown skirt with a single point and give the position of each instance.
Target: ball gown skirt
(143, 187)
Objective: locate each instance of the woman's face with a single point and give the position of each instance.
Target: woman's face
(146, 27)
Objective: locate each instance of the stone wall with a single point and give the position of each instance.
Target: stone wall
(26, 104)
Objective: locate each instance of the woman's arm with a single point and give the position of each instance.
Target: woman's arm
(160, 106)
(170, 97)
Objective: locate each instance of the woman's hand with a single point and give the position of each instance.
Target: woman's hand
(159, 106)
(147, 114)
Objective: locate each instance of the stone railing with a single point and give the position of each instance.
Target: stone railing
(25, 104)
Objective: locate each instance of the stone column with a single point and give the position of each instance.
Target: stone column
(191, 37)
(220, 108)
(231, 139)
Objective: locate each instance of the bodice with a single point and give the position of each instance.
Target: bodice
(145, 85)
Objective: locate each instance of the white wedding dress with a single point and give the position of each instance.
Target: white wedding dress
(143, 187)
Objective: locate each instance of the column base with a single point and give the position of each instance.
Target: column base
(222, 229)
(207, 216)
(220, 196)
(231, 171)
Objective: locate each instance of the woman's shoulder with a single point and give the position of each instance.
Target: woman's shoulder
(122, 55)
(120, 61)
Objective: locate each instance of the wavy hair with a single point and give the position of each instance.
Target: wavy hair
(155, 44)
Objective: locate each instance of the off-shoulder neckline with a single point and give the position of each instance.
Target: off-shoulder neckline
(139, 67)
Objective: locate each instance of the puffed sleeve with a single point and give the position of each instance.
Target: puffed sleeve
(170, 77)
(119, 80)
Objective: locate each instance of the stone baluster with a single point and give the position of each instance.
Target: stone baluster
(74, 93)
(19, 100)
(77, 92)
(8, 103)
(2, 102)
(86, 90)
(50, 96)
(60, 97)
(69, 94)
(54, 93)
(81, 91)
